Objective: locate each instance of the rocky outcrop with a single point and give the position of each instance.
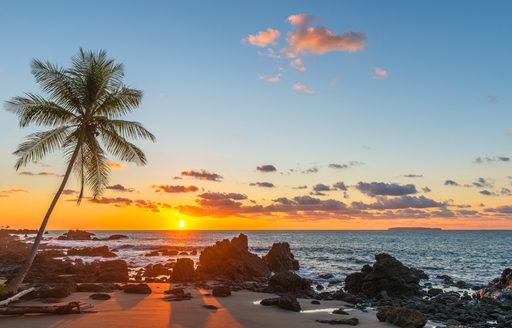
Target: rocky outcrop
(231, 259)
(102, 251)
(99, 296)
(349, 322)
(280, 258)
(155, 270)
(387, 274)
(112, 271)
(402, 317)
(112, 237)
(221, 291)
(54, 290)
(137, 289)
(76, 235)
(285, 302)
(183, 270)
(290, 283)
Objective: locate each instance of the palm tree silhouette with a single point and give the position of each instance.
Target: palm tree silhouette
(83, 109)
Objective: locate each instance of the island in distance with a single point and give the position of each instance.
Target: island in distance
(414, 228)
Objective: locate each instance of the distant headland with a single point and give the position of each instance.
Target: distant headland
(414, 228)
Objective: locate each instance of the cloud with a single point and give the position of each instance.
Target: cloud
(321, 187)
(42, 174)
(340, 185)
(8, 192)
(413, 175)
(489, 160)
(116, 166)
(301, 187)
(483, 183)
(271, 79)
(221, 195)
(263, 38)
(426, 189)
(345, 166)
(263, 184)
(385, 203)
(310, 170)
(299, 87)
(202, 175)
(505, 209)
(119, 187)
(385, 189)
(298, 65)
(266, 168)
(318, 39)
(450, 183)
(487, 193)
(175, 189)
(69, 192)
(125, 202)
(380, 73)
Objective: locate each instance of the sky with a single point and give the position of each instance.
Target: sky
(280, 115)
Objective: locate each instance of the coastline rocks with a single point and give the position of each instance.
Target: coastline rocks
(102, 251)
(350, 322)
(279, 258)
(112, 237)
(100, 296)
(183, 270)
(499, 290)
(137, 289)
(55, 291)
(402, 317)
(221, 291)
(177, 294)
(286, 302)
(290, 283)
(155, 270)
(112, 271)
(387, 274)
(505, 280)
(96, 288)
(76, 235)
(231, 259)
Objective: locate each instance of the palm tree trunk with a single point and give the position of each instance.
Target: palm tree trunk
(14, 284)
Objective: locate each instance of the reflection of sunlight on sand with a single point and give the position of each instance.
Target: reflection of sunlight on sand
(222, 317)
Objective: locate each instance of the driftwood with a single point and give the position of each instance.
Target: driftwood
(16, 297)
(71, 307)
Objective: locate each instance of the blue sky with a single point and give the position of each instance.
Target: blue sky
(445, 102)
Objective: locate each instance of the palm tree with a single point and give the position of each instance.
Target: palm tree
(83, 109)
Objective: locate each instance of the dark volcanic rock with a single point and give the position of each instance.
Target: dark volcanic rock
(177, 294)
(137, 289)
(76, 235)
(285, 302)
(100, 296)
(112, 237)
(505, 280)
(350, 322)
(387, 274)
(56, 291)
(280, 258)
(183, 270)
(221, 291)
(231, 259)
(103, 251)
(155, 270)
(289, 282)
(113, 271)
(402, 317)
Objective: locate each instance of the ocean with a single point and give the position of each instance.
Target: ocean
(473, 256)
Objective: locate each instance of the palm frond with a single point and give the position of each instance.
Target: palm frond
(97, 173)
(37, 110)
(121, 148)
(119, 102)
(39, 144)
(126, 129)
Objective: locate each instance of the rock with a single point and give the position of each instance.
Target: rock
(113, 271)
(155, 270)
(279, 258)
(55, 291)
(340, 311)
(137, 289)
(112, 237)
(175, 291)
(153, 253)
(96, 288)
(315, 302)
(350, 322)
(505, 280)
(285, 302)
(92, 251)
(100, 296)
(326, 276)
(231, 259)
(319, 287)
(221, 291)
(169, 252)
(402, 317)
(177, 294)
(76, 235)
(387, 274)
(183, 270)
(289, 282)
(434, 291)
(210, 307)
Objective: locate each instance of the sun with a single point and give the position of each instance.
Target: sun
(181, 224)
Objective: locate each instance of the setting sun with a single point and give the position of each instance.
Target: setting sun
(181, 224)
